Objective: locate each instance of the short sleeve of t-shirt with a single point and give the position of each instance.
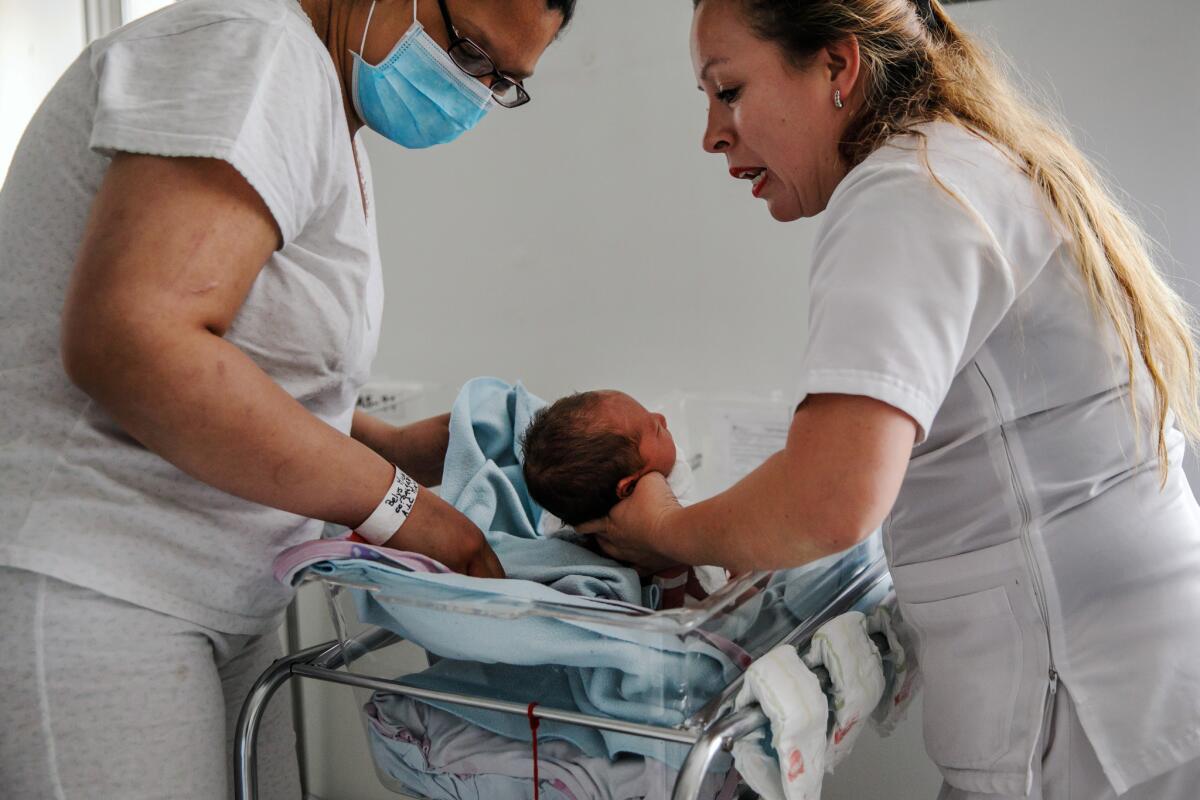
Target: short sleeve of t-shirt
(907, 282)
(234, 82)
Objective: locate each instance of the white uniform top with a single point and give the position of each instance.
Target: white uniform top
(249, 82)
(1030, 534)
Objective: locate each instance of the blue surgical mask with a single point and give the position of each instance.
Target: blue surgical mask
(417, 96)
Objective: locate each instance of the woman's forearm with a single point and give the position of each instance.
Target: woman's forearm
(203, 405)
(759, 523)
(832, 485)
(419, 448)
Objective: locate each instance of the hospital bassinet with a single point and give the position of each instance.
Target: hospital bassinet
(451, 688)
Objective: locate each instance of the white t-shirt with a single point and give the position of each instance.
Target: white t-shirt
(249, 82)
(1030, 532)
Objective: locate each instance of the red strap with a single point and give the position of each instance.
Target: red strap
(533, 729)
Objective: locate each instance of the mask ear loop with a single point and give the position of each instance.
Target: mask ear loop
(367, 27)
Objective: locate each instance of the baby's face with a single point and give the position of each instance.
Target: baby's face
(630, 417)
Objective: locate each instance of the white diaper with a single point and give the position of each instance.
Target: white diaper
(791, 697)
(855, 669)
(899, 668)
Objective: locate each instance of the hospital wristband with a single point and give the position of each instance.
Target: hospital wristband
(393, 510)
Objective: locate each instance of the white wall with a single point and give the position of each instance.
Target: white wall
(38, 40)
(587, 241)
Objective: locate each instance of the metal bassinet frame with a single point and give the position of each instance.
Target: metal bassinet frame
(713, 729)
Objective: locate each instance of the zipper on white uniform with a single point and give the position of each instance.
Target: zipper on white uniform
(1048, 705)
(1035, 572)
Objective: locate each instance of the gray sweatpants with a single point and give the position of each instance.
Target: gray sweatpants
(103, 699)
(1070, 770)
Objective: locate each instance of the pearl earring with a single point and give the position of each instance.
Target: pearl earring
(837, 98)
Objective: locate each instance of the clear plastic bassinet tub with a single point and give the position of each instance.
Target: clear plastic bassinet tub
(453, 683)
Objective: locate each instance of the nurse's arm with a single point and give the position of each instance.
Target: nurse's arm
(831, 487)
(171, 249)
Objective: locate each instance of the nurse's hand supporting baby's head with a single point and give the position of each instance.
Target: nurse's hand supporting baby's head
(587, 451)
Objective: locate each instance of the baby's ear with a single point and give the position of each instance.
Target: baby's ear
(625, 486)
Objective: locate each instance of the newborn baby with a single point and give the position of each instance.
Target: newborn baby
(586, 452)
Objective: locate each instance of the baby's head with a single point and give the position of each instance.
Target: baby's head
(587, 451)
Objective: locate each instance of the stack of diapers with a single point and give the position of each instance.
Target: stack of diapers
(791, 765)
(901, 676)
(818, 705)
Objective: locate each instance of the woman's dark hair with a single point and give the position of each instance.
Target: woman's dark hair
(565, 7)
(572, 463)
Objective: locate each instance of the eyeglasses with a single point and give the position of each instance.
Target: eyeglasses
(472, 60)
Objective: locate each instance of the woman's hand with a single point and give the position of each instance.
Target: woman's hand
(635, 531)
(436, 529)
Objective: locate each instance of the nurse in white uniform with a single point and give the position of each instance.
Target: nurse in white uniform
(190, 300)
(996, 373)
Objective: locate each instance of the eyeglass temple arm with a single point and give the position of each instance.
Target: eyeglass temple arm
(450, 29)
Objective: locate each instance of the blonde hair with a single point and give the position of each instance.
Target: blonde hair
(917, 67)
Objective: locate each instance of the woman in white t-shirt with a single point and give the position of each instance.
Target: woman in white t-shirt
(190, 300)
(975, 292)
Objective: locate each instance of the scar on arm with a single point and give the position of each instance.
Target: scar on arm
(210, 286)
